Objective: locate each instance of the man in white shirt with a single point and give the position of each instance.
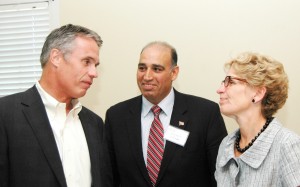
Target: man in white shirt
(47, 138)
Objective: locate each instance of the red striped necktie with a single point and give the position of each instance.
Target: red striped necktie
(155, 149)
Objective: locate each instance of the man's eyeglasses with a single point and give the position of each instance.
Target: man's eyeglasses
(228, 80)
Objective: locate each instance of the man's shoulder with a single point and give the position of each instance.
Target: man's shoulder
(88, 112)
(134, 103)
(16, 96)
(129, 102)
(14, 102)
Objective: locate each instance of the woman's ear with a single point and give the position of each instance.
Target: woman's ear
(259, 95)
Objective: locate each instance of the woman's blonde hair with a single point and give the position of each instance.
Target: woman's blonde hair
(263, 71)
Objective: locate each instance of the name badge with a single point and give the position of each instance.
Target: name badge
(176, 135)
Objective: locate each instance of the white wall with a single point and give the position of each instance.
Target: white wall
(206, 33)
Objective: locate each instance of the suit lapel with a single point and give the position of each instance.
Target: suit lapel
(179, 120)
(134, 133)
(35, 113)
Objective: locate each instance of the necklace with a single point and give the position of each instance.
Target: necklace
(238, 138)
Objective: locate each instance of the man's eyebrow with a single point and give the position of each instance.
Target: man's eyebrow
(152, 65)
(157, 65)
(97, 63)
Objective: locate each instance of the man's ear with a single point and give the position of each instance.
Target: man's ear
(175, 71)
(54, 57)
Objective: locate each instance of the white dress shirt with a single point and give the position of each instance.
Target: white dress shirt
(147, 117)
(70, 139)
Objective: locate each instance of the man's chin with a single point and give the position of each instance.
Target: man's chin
(147, 93)
(81, 93)
(150, 97)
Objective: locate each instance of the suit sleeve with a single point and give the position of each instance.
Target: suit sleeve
(216, 131)
(4, 166)
(111, 153)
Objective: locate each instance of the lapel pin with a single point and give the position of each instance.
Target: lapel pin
(181, 123)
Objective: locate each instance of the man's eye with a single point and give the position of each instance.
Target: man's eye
(157, 69)
(141, 68)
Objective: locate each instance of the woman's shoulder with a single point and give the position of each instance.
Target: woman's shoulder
(285, 135)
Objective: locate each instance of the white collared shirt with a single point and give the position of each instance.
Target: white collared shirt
(147, 117)
(70, 139)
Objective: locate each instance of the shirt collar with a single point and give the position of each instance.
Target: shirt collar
(53, 106)
(257, 153)
(166, 104)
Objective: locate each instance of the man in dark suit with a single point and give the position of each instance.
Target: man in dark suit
(47, 138)
(192, 128)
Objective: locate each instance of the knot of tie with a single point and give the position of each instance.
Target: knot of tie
(156, 110)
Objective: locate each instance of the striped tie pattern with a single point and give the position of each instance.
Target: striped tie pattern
(155, 146)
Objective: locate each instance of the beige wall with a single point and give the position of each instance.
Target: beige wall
(206, 33)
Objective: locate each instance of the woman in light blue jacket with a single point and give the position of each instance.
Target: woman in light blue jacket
(261, 152)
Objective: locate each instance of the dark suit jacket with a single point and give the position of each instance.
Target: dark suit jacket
(28, 153)
(189, 166)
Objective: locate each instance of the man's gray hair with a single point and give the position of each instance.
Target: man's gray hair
(62, 39)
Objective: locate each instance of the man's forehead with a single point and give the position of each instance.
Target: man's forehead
(157, 47)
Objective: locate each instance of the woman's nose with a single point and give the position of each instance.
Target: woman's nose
(221, 89)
